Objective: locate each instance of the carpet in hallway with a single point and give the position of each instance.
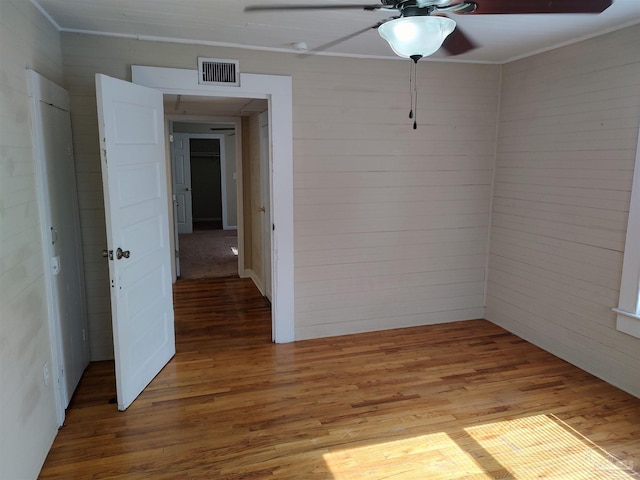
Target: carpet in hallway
(208, 253)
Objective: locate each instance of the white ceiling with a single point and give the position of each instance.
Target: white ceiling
(219, 106)
(223, 22)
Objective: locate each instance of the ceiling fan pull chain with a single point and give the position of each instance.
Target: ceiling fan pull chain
(415, 116)
(413, 85)
(415, 95)
(411, 89)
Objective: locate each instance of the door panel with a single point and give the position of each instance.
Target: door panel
(181, 166)
(61, 222)
(265, 198)
(65, 244)
(130, 120)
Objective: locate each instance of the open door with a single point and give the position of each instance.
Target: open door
(131, 125)
(181, 166)
(265, 199)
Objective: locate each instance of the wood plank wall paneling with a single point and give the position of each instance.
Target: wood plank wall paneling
(27, 421)
(388, 219)
(375, 202)
(566, 146)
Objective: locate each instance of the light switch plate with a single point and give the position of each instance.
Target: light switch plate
(55, 265)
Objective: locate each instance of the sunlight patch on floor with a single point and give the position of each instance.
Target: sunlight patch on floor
(432, 457)
(540, 446)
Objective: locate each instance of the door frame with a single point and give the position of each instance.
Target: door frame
(277, 90)
(188, 204)
(265, 197)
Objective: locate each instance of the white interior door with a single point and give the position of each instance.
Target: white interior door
(66, 262)
(181, 166)
(130, 121)
(176, 238)
(265, 196)
(60, 222)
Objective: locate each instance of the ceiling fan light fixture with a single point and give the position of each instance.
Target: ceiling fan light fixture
(418, 36)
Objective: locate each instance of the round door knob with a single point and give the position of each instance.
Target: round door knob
(122, 253)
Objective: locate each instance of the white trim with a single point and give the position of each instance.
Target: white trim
(278, 91)
(209, 43)
(627, 322)
(628, 319)
(41, 89)
(256, 280)
(626, 314)
(266, 199)
(46, 15)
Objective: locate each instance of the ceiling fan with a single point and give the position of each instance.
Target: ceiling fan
(420, 27)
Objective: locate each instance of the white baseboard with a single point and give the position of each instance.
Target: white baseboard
(248, 273)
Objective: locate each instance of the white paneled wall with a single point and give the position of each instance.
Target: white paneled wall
(566, 147)
(390, 223)
(27, 405)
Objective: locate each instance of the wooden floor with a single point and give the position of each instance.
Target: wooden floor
(456, 401)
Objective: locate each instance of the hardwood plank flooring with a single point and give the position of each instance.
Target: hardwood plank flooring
(465, 400)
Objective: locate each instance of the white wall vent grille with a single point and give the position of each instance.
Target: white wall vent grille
(216, 71)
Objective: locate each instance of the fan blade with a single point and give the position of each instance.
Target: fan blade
(457, 8)
(458, 43)
(323, 6)
(325, 46)
(540, 6)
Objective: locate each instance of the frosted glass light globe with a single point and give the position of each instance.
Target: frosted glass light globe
(416, 36)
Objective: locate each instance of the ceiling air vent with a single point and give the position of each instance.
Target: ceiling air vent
(215, 71)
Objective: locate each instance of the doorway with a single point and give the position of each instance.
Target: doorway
(137, 211)
(204, 179)
(277, 90)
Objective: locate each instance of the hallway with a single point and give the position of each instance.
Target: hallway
(207, 253)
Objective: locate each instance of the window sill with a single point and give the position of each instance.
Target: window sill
(628, 322)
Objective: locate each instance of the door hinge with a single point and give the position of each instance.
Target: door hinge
(170, 138)
(177, 253)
